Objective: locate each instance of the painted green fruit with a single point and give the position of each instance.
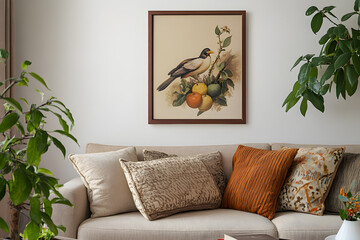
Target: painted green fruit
(214, 90)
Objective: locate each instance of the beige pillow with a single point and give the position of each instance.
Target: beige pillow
(167, 186)
(309, 179)
(213, 162)
(104, 179)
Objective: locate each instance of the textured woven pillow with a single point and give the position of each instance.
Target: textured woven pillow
(213, 162)
(348, 171)
(105, 181)
(256, 180)
(309, 179)
(164, 187)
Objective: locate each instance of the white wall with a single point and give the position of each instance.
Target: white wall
(93, 55)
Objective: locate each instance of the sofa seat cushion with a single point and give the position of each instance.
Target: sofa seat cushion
(303, 226)
(196, 225)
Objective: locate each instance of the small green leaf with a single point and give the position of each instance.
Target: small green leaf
(21, 187)
(356, 5)
(324, 39)
(339, 80)
(32, 231)
(324, 89)
(327, 74)
(309, 56)
(314, 85)
(311, 10)
(343, 46)
(351, 74)
(328, 8)
(49, 223)
(47, 206)
(25, 64)
(181, 98)
(343, 198)
(304, 73)
(35, 210)
(347, 16)
(292, 100)
(217, 31)
(287, 99)
(227, 42)
(356, 62)
(301, 90)
(297, 62)
(67, 135)
(221, 100)
(315, 99)
(4, 54)
(4, 158)
(303, 107)
(9, 121)
(342, 60)
(40, 79)
(59, 145)
(343, 214)
(12, 102)
(3, 224)
(316, 22)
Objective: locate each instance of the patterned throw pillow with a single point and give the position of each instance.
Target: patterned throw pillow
(348, 171)
(164, 187)
(256, 180)
(213, 162)
(309, 179)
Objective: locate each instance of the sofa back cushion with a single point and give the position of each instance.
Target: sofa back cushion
(227, 151)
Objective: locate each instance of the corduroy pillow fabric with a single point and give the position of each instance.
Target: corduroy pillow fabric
(256, 180)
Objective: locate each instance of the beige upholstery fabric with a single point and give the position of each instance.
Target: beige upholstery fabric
(309, 179)
(348, 171)
(302, 226)
(193, 225)
(349, 148)
(227, 151)
(104, 178)
(212, 161)
(71, 217)
(163, 187)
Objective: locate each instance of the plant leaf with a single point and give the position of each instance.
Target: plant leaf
(35, 210)
(351, 74)
(342, 60)
(315, 99)
(327, 74)
(347, 16)
(324, 89)
(4, 226)
(303, 107)
(67, 135)
(310, 10)
(59, 145)
(324, 39)
(316, 22)
(356, 62)
(304, 73)
(217, 31)
(15, 104)
(40, 79)
(340, 83)
(20, 188)
(9, 121)
(49, 223)
(297, 62)
(314, 85)
(2, 188)
(32, 231)
(44, 171)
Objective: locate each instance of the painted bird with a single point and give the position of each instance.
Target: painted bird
(190, 67)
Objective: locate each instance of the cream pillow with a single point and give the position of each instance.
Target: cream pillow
(164, 187)
(104, 179)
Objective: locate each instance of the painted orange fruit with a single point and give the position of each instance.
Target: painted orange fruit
(194, 100)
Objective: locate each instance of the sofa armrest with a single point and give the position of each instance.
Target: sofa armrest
(72, 217)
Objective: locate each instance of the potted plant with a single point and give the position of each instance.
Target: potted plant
(25, 140)
(339, 55)
(350, 229)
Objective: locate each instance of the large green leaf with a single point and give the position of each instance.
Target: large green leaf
(324, 89)
(351, 89)
(314, 84)
(297, 62)
(32, 231)
(59, 145)
(310, 10)
(343, 44)
(303, 107)
(342, 60)
(4, 226)
(49, 223)
(316, 22)
(315, 99)
(340, 82)
(35, 117)
(47, 206)
(67, 135)
(36, 147)
(9, 121)
(324, 39)
(2, 188)
(356, 5)
(40, 79)
(327, 74)
(20, 188)
(351, 74)
(304, 73)
(292, 101)
(15, 104)
(35, 212)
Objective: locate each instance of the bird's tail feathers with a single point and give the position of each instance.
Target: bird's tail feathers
(165, 84)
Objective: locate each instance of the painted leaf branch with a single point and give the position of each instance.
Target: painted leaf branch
(339, 54)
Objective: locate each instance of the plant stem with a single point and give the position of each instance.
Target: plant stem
(330, 20)
(14, 221)
(7, 89)
(217, 57)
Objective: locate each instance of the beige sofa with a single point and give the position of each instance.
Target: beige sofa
(196, 225)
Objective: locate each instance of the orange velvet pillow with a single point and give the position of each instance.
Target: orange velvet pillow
(256, 180)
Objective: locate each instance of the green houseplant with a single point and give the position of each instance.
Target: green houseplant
(25, 140)
(339, 56)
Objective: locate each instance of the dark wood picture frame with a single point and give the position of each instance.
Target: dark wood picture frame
(151, 119)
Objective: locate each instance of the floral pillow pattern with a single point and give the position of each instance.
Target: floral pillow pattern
(309, 179)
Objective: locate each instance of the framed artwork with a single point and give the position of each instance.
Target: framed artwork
(197, 67)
